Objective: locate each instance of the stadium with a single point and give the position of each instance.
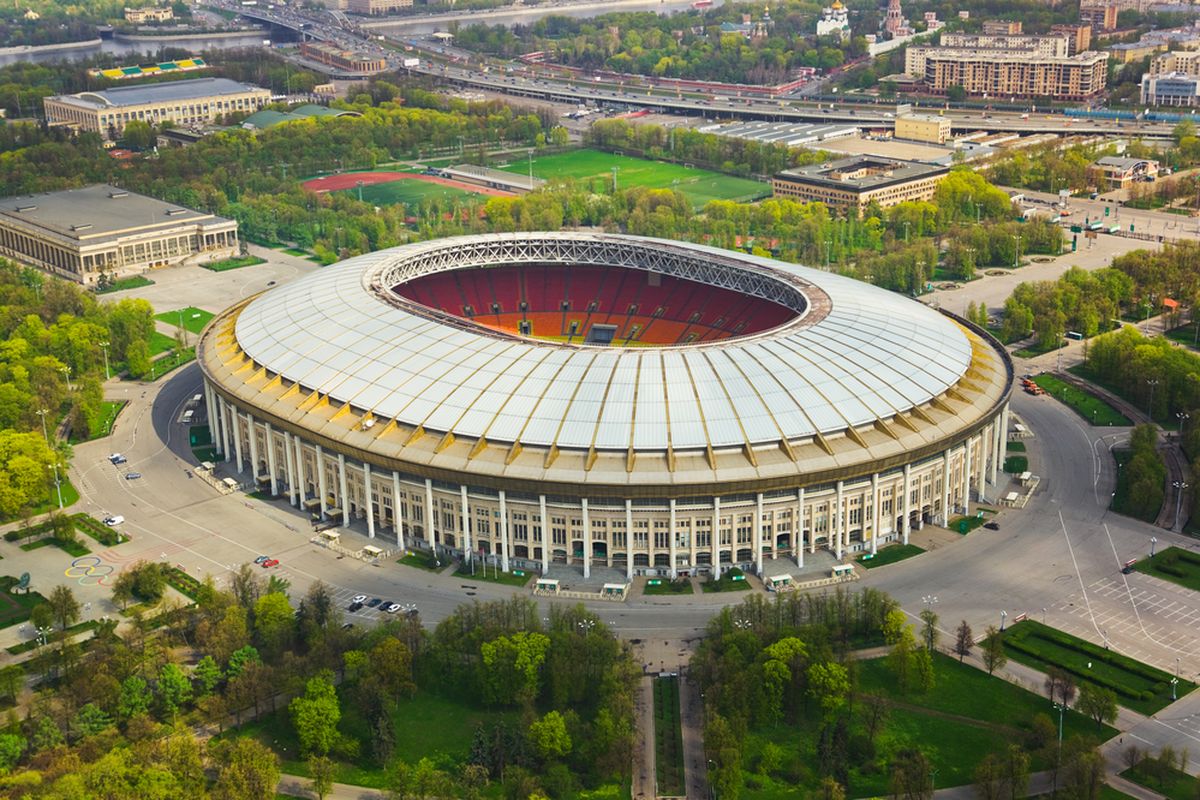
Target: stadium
(593, 401)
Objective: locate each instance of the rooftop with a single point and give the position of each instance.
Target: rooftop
(862, 173)
(142, 94)
(1123, 163)
(96, 212)
(781, 132)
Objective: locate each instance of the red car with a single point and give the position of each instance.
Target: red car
(271, 562)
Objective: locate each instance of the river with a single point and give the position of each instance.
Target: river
(132, 51)
(523, 15)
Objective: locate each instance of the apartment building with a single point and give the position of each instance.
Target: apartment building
(850, 184)
(995, 73)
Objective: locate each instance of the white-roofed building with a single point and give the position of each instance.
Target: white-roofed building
(604, 400)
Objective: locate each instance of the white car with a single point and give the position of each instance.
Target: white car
(392, 608)
(114, 520)
(116, 458)
(359, 598)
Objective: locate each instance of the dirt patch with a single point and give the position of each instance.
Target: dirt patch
(1041, 259)
(350, 180)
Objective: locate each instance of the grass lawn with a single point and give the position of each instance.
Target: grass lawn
(422, 560)
(15, 608)
(491, 576)
(1085, 404)
(296, 251)
(160, 343)
(1175, 785)
(133, 282)
(1015, 465)
(889, 555)
(161, 366)
(194, 319)
(957, 723)
(1184, 334)
(70, 496)
(699, 185)
(665, 586)
(75, 549)
(1016, 447)
(668, 737)
(109, 409)
(1139, 686)
(234, 263)
(426, 726)
(410, 192)
(726, 583)
(1175, 565)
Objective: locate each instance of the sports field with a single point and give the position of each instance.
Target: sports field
(699, 185)
(409, 192)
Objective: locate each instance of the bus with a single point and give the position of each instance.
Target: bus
(1114, 230)
(1095, 226)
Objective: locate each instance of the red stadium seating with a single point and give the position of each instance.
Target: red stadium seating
(676, 311)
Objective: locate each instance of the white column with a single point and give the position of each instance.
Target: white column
(1002, 447)
(370, 500)
(301, 486)
(966, 478)
(835, 526)
(214, 419)
(798, 528)
(466, 524)
(946, 488)
(397, 507)
(758, 534)
(237, 435)
(504, 535)
(545, 525)
(430, 517)
(344, 490)
(906, 525)
(321, 488)
(587, 541)
(715, 545)
(671, 533)
(271, 462)
(251, 434)
(289, 463)
(981, 477)
(998, 447)
(628, 539)
(874, 513)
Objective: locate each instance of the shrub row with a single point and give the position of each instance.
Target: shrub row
(1091, 677)
(183, 583)
(1097, 652)
(96, 529)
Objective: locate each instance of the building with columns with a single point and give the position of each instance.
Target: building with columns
(102, 232)
(595, 400)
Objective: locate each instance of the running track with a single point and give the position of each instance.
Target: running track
(349, 180)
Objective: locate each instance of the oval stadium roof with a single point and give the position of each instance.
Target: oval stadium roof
(869, 355)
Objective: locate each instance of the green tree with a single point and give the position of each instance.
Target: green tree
(174, 688)
(512, 666)
(12, 680)
(911, 775)
(41, 616)
(316, 714)
(964, 640)
(929, 631)
(90, 719)
(11, 748)
(64, 606)
(320, 770)
(207, 674)
(993, 650)
(247, 770)
(273, 620)
(135, 697)
(550, 737)
(829, 686)
(1097, 702)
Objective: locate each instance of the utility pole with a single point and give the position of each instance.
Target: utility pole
(104, 346)
(42, 412)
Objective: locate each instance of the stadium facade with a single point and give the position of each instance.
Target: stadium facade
(606, 400)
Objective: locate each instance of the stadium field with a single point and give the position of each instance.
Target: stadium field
(410, 192)
(699, 185)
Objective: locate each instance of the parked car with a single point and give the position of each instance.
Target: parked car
(375, 601)
(392, 608)
(116, 458)
(132, 476)
(354, 607)
(114, 520)
(270, 562)
(359, 598)
(261, 559)
(992, 526)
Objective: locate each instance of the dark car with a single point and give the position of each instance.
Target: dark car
(992, 526)
(354, 607)
(374, 602)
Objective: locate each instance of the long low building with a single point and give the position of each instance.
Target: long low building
(190, 102)
(592, 403)
(851, 184)
(102, 233)
(1171, 89)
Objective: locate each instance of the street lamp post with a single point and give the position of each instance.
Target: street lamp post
(906, 232)
(42, 412)
(1180, 486)
(1153, 543)
(1174, 683)
(1003, 616)
(1017, 252)
(827, 245)
(57, 483)
(1152, 382)
(66, 370)
(104, 347)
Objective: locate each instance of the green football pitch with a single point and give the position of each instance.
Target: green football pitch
(410, 192)
(698, 185)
